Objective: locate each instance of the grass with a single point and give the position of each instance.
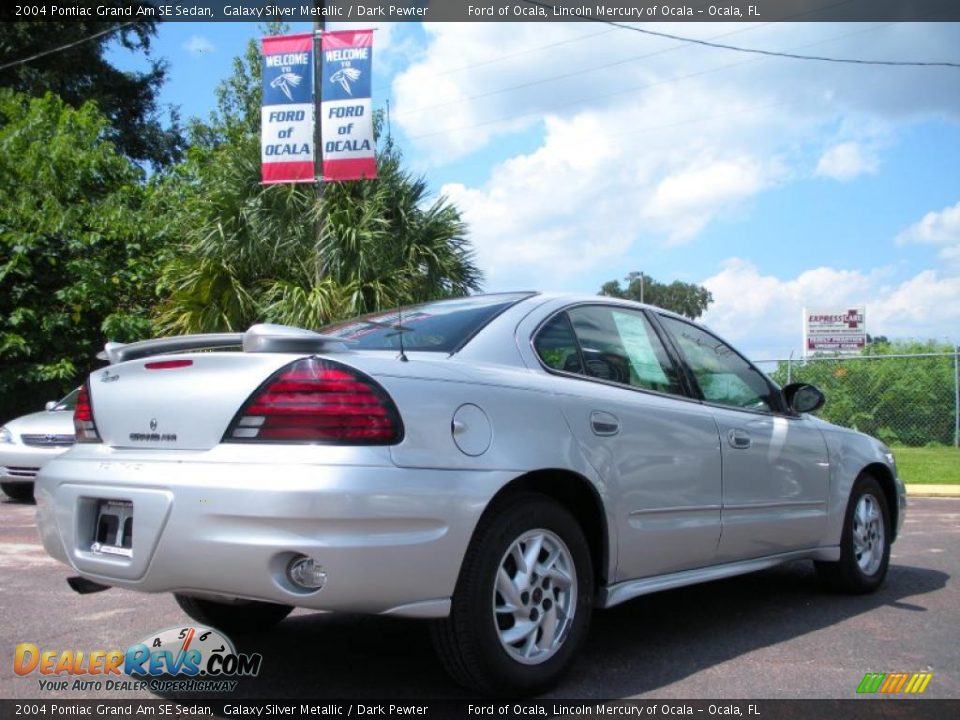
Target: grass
(928, 465)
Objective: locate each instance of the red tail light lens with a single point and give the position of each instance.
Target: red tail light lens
(318, 401)
(83, 424)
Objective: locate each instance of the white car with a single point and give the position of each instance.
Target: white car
(30, 442)
(501, 464)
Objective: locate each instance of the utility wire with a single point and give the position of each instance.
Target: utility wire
(757, 51)
(508, 56)
(574, 73)
(634, 88)
(64, 47)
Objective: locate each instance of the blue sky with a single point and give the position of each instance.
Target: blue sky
(580, 152)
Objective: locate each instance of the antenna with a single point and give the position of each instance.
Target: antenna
(403, 356)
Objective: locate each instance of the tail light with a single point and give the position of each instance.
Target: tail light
(318, 401)
(83, 424)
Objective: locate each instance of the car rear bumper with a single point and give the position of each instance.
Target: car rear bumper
(390, 540)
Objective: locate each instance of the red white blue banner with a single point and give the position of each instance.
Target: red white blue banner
(287, 110)
(346, 112)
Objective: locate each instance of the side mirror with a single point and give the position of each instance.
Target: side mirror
(803, 398)
(51, 404)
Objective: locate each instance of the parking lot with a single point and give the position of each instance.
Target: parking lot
(774, 634)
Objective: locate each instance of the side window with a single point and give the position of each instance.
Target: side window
(723, 376)
(556, 345)
(620, 345)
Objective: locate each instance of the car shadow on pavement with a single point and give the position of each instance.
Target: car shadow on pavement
(637, 647)
(4, 500)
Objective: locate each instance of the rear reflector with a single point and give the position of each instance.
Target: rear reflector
(318, 401)
(83, 424)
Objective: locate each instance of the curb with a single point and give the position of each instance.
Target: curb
(941, 491)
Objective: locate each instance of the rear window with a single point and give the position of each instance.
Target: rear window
(439, 326)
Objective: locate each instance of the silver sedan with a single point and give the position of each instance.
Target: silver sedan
(501, 464)
(30, 442)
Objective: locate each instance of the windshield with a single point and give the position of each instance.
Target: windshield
(69, 402)
(440, 326)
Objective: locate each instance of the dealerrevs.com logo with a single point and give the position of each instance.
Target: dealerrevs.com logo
(183, 659)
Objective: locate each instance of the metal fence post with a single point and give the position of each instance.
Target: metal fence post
(956, 395)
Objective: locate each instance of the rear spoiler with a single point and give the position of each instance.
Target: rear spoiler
(259, 338)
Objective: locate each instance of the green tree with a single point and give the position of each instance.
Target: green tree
(280, 253)
(903, 401)
(76, 246)
(684, 298)
(82, 73)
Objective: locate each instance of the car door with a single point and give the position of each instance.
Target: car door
(656, 449)
(775, 465)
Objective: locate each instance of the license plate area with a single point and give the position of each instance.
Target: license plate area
(113, 532)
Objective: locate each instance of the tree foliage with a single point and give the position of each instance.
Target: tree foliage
(77, 243)
(280, 253)
(903, 401)
(684, 298)
(82, 73)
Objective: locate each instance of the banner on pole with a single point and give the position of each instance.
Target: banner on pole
(287, 110)
(346, 112)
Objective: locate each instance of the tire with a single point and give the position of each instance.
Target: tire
(475, 643)
(863, 562)
(242, 616)
(18, 490)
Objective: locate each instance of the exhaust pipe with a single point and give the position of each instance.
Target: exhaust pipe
(85, 587)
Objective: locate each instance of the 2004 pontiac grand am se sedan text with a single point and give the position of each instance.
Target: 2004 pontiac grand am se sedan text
(499, 463)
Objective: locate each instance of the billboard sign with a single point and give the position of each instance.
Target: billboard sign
(287, 110)
(834, 330)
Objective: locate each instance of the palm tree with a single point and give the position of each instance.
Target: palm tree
(279, 253)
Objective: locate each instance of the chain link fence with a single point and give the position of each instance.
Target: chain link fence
(910, 400)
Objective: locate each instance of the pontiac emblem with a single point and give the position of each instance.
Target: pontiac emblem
(153, 424)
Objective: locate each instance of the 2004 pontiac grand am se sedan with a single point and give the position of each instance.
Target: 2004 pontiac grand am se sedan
(500, 463)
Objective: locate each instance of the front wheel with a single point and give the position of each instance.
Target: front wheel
(523, 600)
(241, 616)
(865, 543)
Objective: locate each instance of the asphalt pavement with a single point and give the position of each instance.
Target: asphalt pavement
(774, 634)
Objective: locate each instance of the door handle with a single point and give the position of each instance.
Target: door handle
(739, 439)
(603, 423)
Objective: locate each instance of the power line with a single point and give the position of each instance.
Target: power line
(64, 47)
(508, 56)
(634, 88)
(757, 51)
(574, 73)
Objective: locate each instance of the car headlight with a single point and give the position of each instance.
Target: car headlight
(5, 435)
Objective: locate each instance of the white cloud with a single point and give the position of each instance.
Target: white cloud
(199, 45)
(618, 145)
(685, 201)
(762, 314)
(549, 215)
(846, 161)
(641, 142)
(937, 228)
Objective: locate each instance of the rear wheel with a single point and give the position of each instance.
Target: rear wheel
(18, 490)
(233, 617)
(865, 543)
(523, 600)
